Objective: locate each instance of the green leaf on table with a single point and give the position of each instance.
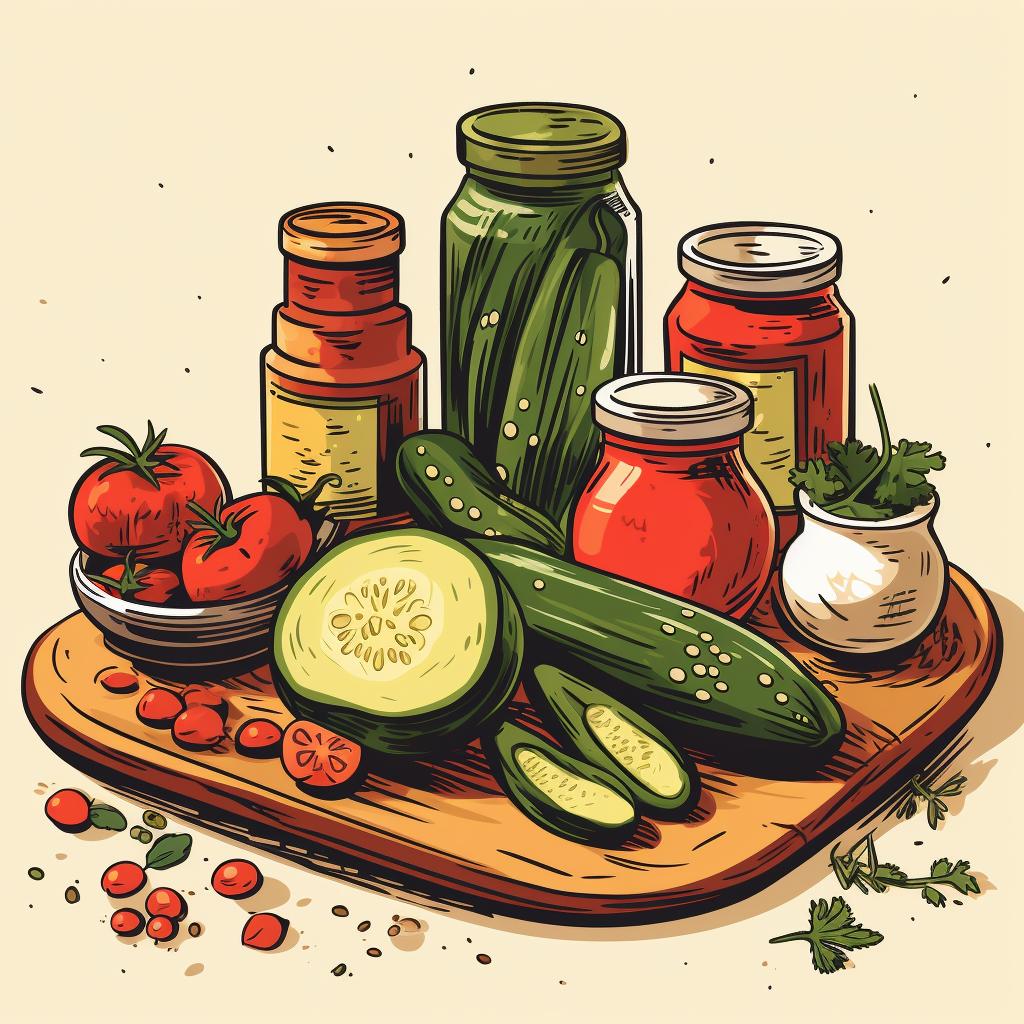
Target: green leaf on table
(832, 930)
(933, 896)
(168, 851)
(106, 817)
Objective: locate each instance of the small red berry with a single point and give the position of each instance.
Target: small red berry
(68, 809)
(166, 903)
(159, 707)
(259, 737)
(264, 931)
(162, 929)
(120, 682)
(198, 728)
(236, 879)
(127, 922)
(125, 878)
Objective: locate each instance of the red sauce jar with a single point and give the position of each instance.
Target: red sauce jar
(672, 503)
(760, 308)
(341, 380)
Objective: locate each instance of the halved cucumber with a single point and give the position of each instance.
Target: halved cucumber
(610, 736)
(404, 641)
(573, 799)
(450, 489)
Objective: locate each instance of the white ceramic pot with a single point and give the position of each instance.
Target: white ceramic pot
(863, 587)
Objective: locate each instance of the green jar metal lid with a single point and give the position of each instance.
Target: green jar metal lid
(541, 140)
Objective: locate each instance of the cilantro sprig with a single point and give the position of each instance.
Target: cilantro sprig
(832, 932)
(863, 482)
(860, 867)
(934, 799)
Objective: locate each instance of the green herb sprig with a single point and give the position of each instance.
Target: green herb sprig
(832, 932)
(934, 799)
(860, 867)
(863, 482)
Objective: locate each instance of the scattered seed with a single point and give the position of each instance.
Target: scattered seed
(339, 971)
(373, 951)
(339, 911)
(677, 675)
(363, 926)
(482, 958)
(36, 874)
(193, 969)
(394, 930)
(71, 894)
(154, 819)
(195, 929)
(702, 695)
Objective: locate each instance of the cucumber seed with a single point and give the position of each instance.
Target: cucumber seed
(488, 532)
(781, 698)
(764, 679)
(700, 670)
(715, 649)
(721, 686)
(713, 671)
(420, 450)
(510, 429)
(494, 317)
(484, 320)
(538, 584)
(581, 337)
(456, 504)
(724, 659)
(448, 481)
(524, 404)
(687, 613)
(702, 695)
(501, 471)
(706, 637)
(677, 675)
(692, 650)
(533, 440)
(581, 390)
(432, 472)
(666, 628)
(474, 512)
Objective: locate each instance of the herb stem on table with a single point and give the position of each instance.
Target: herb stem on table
(934, 799)
(832, 931)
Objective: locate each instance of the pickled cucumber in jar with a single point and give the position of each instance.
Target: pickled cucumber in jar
(540, 292)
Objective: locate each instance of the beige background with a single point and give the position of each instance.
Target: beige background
(809, 113)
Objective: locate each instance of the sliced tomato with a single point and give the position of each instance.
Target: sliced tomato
(317, 758)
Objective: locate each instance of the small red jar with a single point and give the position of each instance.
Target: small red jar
(760, 308)
(672, 504)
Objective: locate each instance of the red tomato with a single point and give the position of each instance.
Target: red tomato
(120, 682)
(127, 922)
(250, 545)
(162, 929)
(318, 758)
(198, 728)
(204, 695)
(166, 903)
(264, 931)
(258, 737)
(236, 879)
(137, 582)
(159, 708)
(68, 809)
(135, 499)
(125, 878)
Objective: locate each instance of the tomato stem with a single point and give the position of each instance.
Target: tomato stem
(304, 503)
(143, 460)
(225, 531)
(130, 581)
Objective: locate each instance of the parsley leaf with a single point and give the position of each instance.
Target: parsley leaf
(817, 479)
(903, 482)
(852, 461)
(832, 930)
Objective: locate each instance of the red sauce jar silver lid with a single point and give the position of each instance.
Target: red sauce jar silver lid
(761, 258)
(673, 407)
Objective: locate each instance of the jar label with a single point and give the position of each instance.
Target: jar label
(770, 445)
(307, 437)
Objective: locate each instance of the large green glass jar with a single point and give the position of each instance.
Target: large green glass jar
(540, 292)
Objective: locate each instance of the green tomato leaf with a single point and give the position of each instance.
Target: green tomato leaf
(168, 851)
(106, 817)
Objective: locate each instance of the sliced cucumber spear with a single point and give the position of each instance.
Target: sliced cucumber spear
(451, 490)
(568, 797)
(617, 740)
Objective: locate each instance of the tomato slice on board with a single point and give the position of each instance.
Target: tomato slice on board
(317, 758)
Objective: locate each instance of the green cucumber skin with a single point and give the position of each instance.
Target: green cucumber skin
(473, 485)
(609, 631)
(536, 805)
(562, 700)
(475, 715)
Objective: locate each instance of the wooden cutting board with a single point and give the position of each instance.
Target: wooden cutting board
(443, 830)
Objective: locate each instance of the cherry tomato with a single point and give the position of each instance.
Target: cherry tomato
(68, 809)
(250, 545)
(127, 922)
(162, 929)
(206, 696)
(264, 931)
(318, 758)
(165, 902)
(236, 879)
(198, 728)
(137, 582)
(259, 737)
(120, 682)
(135, 499)
(125, 878)
(159, 707)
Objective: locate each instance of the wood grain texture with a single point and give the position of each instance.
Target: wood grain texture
(443, 830)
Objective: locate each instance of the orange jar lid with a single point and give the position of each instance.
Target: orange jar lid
(342, 233)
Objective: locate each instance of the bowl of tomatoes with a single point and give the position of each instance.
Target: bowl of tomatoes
(181, 578)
